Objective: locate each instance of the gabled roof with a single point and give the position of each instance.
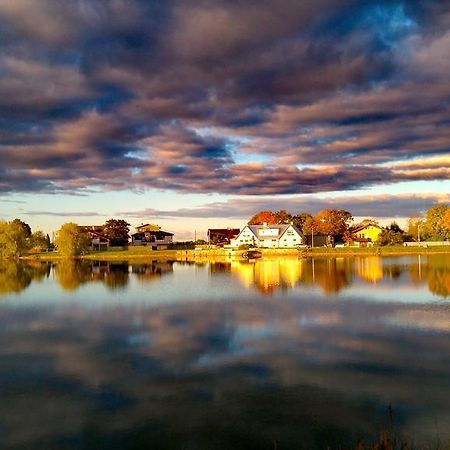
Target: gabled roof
(281, 227)
(367, 225)
(145, 225)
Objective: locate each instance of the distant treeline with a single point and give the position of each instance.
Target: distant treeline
(433, 226)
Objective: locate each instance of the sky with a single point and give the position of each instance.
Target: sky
(199, 113)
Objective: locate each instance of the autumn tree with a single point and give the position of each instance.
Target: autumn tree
(71, 241)
(264, 217)
(117, 231)
(333, 222)
(309, 226)
(283, 216)
(435, 227)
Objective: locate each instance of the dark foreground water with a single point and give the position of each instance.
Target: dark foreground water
(275, 354)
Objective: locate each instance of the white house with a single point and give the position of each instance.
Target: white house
(270, 236)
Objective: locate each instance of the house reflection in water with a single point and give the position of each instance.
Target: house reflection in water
(151, 272)
(267, 275)
(369, 268)
(330, 274)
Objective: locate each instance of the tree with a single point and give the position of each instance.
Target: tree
(415, 227)
(26, 228)
(446, 221)
(71, 241)
(390, 237)
(39, 240)
(394, 226)
(13, 239)
(117, 231)
(333, 222)
(365, 222)
(435, 228)
(264, 217)
(300, 219)
(309, 226)
(283, 216)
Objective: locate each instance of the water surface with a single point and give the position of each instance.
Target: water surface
(281, 353)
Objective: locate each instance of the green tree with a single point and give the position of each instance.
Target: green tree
(71, 241)
(26, 228)
(117, 231)
(13, 239)
(39, 240)
(365, 222)
(72, 273)
(390, 237)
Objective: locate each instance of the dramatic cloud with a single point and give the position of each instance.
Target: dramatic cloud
(221, 96)
(384, 205)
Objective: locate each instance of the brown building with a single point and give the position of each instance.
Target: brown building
(222, 236)
(152, 235)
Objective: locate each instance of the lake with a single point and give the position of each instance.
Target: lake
(267, 354)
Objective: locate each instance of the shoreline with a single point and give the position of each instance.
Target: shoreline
(183, 255)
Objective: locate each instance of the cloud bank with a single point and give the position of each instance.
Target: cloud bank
(219, 96)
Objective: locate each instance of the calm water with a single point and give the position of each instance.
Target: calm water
(285, 354)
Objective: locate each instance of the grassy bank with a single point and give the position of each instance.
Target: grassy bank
(397, 250)
(147, 253)
(111, 254)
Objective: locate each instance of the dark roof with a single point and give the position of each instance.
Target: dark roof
(95, 235)
(223, 230)
(282, 227)
(154, 233)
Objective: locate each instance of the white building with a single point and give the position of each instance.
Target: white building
(270, 236)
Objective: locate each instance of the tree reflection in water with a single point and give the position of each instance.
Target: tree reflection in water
(433, 270)
(267, 276)
(15, 276)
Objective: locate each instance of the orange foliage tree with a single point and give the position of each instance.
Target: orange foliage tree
(264, 217)
(333, 222)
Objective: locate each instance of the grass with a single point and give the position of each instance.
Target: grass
(388, 250)
(147, 252)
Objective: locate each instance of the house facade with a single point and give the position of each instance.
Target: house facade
(152, 235)
(270, 236)
(98, 240)
(367, 234)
